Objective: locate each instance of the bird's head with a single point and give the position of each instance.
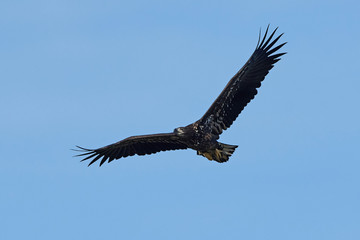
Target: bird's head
(179, 131)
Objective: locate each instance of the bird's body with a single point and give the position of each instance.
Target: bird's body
(199, 136)
(203, 134)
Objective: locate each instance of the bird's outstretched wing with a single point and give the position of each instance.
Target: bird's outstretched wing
(140, 145)
(242, 88)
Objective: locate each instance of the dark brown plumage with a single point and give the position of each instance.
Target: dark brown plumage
(203, 134)
(140, 145)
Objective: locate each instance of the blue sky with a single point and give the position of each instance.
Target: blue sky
(90, 73)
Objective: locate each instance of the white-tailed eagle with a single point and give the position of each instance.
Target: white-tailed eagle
(203, 134)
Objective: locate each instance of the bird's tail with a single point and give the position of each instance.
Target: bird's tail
(220, 154)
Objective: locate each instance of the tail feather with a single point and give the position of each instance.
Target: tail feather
(220, 154)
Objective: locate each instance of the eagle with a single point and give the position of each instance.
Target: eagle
(203, 134)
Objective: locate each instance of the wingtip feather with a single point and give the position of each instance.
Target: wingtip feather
(275, 49)
(267, 29)
(257, 45)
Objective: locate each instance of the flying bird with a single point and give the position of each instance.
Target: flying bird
(203, 134)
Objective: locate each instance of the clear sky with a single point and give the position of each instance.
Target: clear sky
(91, 73)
